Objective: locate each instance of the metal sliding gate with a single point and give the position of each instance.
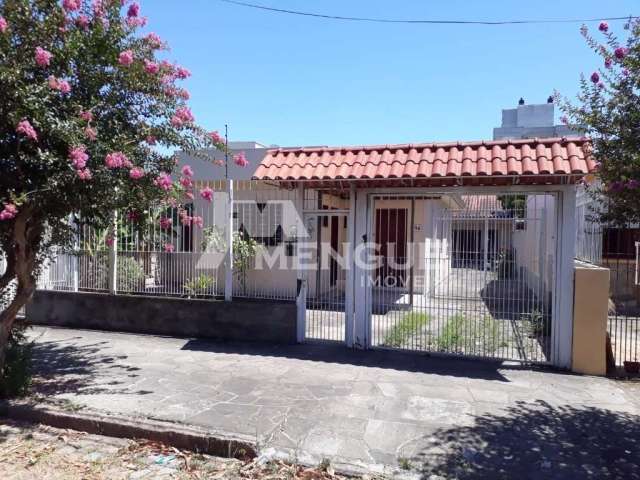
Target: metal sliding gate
(469, 275)
(323, 276)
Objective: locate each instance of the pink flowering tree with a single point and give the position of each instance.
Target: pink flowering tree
(89, 116)
(608, 110)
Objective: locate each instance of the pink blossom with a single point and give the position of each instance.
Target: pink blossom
(60, 85)
(90, 133)
(154, 40)
(189, 195)
(165, 223)
(86, 115)
(600, 85)
(240, 160)
(169, 248)
(64, 86)
(26, 129)
(218, 162)
(182, 73)
(207, 194)
(82, 21)
(185, 219)
(53, 82)
(603, 27)
(3, 25)
(164, 181)
(186, 182)
(182, 93)
(43, 57)
(151, 140)
(166, 66)
(109, 241)
(187, 171)
(625, 72)
(71, 5)
(633, 184)
(134, 10)
(608, 62)
(197, 221)
(215, 137)
(116, 160)
(134, 22)
(620, 53)
(8, 212)
(595, 77)
(78, 156)
(133, 216)
(125, 58)
(183, 115)
(136, 173)
(84, 174)
(98, 8)
(151, 67)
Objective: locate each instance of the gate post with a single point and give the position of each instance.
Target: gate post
(361, 275)
(112, 259)
(349, 303)
(562, 340)
(228, 259)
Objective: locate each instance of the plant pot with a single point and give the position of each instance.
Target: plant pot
(632, 367)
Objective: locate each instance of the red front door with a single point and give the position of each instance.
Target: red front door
(391, 237)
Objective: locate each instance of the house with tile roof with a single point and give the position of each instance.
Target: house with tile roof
(411, 213)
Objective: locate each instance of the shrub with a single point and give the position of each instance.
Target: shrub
(202, 285)
(16, 376)
(410, 324)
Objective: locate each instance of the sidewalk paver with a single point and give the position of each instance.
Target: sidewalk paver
(365, 409)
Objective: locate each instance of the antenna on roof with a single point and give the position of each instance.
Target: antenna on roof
(521, 101)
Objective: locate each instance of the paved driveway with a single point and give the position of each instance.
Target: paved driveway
(428, 415)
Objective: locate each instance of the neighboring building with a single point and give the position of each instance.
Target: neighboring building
(531, 121)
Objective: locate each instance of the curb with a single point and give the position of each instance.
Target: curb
(175, 435)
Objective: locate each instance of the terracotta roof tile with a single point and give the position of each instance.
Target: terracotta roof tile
(547, 157)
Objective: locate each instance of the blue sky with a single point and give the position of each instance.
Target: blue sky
(289, 80)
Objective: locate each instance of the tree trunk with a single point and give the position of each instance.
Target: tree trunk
(8, 318)
(26, 238)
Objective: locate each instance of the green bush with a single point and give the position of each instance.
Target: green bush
(94, 273)
(200, 286)
(130, 274)
(16, 378)
(408, 326)
(472, 336)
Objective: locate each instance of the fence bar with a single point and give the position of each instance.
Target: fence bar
(228, 262)
(113, 257)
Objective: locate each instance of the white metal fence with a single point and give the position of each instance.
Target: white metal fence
(589, 231)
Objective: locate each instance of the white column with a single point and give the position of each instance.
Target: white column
(349, 303)
(485, 244)
(361, 275)
(301, 281)
(563, 312)
(228, 260)
(113, 256)
(74, 261)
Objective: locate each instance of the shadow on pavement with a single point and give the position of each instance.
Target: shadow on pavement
(537, 440)
(393, 360)
(67, 367)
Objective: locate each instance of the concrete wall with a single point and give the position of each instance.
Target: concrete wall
(591, 295)
(240, 320)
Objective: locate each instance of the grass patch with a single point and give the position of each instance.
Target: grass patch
(468, 335)
(409, 325)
